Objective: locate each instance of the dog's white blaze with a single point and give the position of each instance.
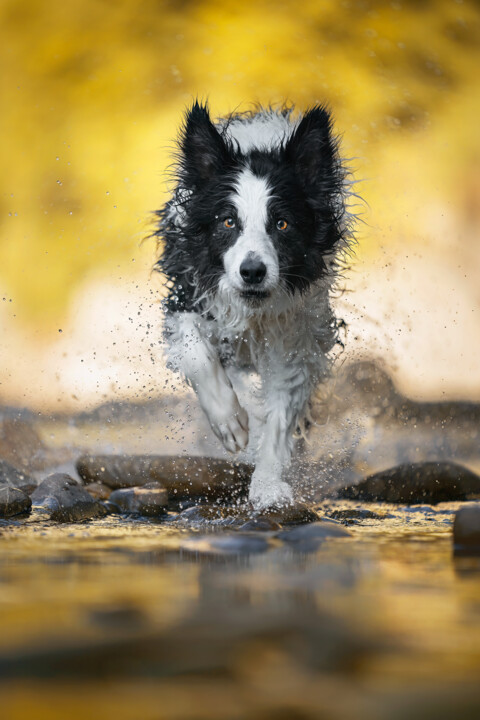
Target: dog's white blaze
(251, 198)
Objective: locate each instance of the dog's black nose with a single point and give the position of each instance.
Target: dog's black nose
(253, 271)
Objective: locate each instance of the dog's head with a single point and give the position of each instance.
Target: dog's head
(259, 222)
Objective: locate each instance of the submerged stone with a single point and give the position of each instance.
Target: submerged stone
(307, 538)
(65, 500)
(428, 482)
(9, 475)
(150, 500)
(262, 524)
(183, 477)
(350, 516)
(243, 517)
(294, 514)
(226, 544)
(466, 530)
(13, 501)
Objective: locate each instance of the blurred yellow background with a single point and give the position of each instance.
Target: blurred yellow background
(93, 92)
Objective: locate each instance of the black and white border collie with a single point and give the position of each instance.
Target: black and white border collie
(251, 244)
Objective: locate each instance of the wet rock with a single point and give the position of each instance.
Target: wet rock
(183, 477)
(350, 516)
(213, 515)
(244, 518)
(13, 501)
(150, 500)
(428, 482)
(12, 477)
(65, 500)
(307, 538)
(466, 530)
(262, 524)
(294, 514)
(223, 544)
(109, 507)
(98, 491)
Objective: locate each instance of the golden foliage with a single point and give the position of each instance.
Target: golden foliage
(93, 91)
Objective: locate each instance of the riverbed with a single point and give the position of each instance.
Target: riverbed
(366, 612)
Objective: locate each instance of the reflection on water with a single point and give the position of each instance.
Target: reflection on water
(381, 620)
(191, 617)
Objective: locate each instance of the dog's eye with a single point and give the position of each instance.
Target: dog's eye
(229, 223)
(282, 224)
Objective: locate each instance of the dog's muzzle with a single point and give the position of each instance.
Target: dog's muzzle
(253, 271)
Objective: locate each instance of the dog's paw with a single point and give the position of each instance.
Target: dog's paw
(268, 493)
(228, 420)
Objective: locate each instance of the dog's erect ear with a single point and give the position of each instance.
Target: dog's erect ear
(203, 149)
(311, 149)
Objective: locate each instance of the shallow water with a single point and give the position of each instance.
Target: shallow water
(196, 619)
(128, 613)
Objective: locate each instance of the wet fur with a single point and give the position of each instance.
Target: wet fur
(253, 169)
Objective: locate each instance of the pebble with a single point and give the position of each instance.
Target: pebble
(109, 507)
(10, 476)
(294, 514)
(98, 490)
(183, 477)
(244, 518)
(262, 524)
(150, 500)
(226, 544)
(351, 516)
(13, 501)
(65, 500)
(308, 538)
(428, 482)
(466, 530)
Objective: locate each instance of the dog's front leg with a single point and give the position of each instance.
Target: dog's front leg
(286, 396)
(192, 353)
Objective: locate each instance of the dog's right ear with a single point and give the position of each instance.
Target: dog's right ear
(204, 152)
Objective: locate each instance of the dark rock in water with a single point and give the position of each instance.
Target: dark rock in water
(150, 500)
(223, 544)
(351, 516)
(13, 501)
(12, 477)
(262, 524)
(244, 518)
(183, 477)
(307, 538)
(466, 530)
(65, 500)
(98, 491)
(294, 514)
(109, 507)
(429, 482)
(213, 515)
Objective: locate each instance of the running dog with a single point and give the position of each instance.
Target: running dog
(252, 242)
